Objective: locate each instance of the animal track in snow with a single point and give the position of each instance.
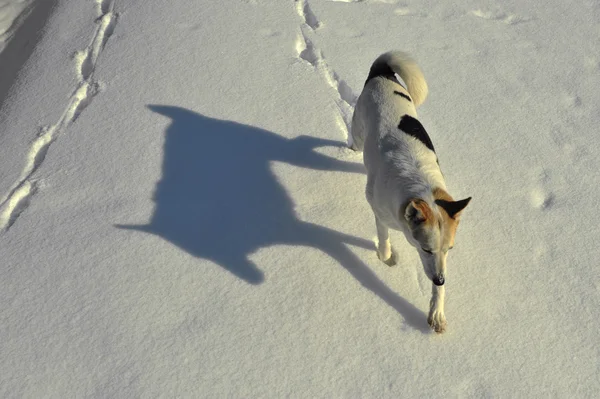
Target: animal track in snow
(345, 98)
(16, 203)
(86, 59)
(307, 51)
(18, 197)
(571, 101)
(303, 9)
(508, 19)
(541, 198)
(104, 6)
(406, 12)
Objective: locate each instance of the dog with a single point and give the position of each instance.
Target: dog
(405, 185)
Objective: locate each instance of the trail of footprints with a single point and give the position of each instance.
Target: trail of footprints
(18, 197)
(345, 98)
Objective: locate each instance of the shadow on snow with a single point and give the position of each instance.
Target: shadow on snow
(219, 200)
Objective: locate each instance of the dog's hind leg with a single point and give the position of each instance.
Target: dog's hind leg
(384, 249)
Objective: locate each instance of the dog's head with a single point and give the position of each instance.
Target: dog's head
(433, 229)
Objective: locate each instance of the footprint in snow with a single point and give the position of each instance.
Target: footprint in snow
(500, 16)
(406, 12)
(541, 198)
(303, 9)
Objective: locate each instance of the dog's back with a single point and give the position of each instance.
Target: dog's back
(384, 98)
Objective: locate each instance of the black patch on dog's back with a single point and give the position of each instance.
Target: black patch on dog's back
(382, 69)
(413, 127)
(402, 95)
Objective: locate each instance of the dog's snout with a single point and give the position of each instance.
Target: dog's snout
(438, 279)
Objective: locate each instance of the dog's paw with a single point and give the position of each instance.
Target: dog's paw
(437, 321)
(391, 261)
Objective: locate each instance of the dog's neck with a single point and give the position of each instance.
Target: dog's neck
(414, 178)
(408, 181)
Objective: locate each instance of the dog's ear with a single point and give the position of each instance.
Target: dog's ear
(453, 208)
(417, 212)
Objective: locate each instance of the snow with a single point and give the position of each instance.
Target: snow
(12, 12)
(181, 216)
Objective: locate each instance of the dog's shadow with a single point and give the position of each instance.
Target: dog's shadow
(219, 200)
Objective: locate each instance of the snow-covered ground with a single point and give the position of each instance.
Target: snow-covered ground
(12, 13)
(180, 215)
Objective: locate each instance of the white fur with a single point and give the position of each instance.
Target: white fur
(399, 166)
(437, 318)
(405, 66)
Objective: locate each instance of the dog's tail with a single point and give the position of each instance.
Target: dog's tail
(404, 65)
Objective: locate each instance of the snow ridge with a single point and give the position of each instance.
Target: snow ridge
(18, 197)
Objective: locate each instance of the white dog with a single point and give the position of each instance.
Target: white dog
(405, 186)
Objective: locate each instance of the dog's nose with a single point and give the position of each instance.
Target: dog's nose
(438, 280)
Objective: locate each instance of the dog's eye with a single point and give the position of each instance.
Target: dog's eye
(427, 251)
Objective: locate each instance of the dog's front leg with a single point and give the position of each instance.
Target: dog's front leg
(437, 319)
(384, 249)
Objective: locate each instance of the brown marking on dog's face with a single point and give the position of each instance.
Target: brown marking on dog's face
(418, 213)
(424, 224)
